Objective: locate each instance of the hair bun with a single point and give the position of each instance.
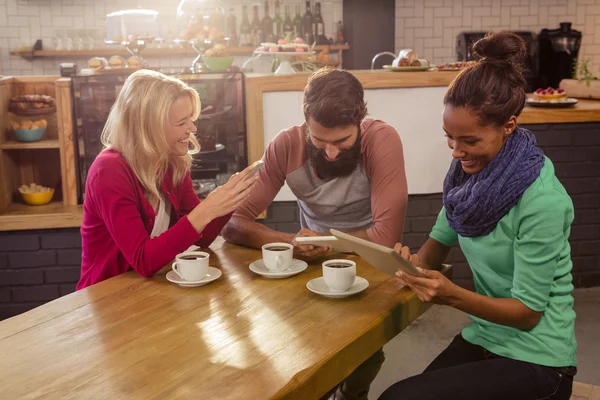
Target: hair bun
(502, 46)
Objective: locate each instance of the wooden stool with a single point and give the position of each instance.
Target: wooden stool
(583, 391)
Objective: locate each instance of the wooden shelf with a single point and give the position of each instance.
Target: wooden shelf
(110, 51)
(20, 216)
(42, 144)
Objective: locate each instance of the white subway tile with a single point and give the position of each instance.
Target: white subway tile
(11, 8)
(35, 28)
(435, 3)
(7, 32)
(418, 47)
(399, 25)
(423, 32)
(28, 10)
(448, 38)
(505, 16)
(482, 11)
(470, 3)
(458, 7)
(519, 11)
(428, 54)
(534, 6)
(452, 22)
(447, 3)
(442, 12)
(405, 12)
(18, 21)
(510, 3)
(528, 22)
(56, 9)
(433, 42)
(549, 2)
(557, 10)
(414, 22)
(438, 27)
(428, 20)
(467, 17)
(496, 7)
(3, 19)
(580, 15)
(419, 9)
(63, 22)
(409, 34)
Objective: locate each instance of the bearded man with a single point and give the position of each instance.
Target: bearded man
(347, 173)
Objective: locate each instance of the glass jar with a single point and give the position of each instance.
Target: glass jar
(201, 20)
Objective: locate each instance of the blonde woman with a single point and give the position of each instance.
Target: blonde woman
(140, 209)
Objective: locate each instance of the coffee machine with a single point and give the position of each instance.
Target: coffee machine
(558, 49)
(464, 52)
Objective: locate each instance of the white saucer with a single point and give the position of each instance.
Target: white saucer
(259, 267)
(318, 286)
(211, 275)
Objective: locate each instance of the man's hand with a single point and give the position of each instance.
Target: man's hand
(308, 252)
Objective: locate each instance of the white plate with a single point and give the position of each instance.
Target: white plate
(407, 69)
(284, 53)
(258, 267)
(318, 286)
(212, 275)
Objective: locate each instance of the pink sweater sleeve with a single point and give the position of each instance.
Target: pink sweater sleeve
(389, 192)
(271, 177)
(115, 197)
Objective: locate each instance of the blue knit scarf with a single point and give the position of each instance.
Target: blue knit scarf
(475, 203)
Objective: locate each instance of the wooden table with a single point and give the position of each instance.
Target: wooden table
(240, 337)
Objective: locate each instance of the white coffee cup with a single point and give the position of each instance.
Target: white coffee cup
(278, 256)
(339, 279)
(191, 265)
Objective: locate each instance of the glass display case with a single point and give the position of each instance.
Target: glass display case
(221, 125)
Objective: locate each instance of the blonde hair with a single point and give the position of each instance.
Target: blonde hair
(136, 127)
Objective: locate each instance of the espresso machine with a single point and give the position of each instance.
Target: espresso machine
(558, 49)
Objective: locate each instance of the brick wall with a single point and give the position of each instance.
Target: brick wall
(36, 267)
(39, 266)
(430, 27)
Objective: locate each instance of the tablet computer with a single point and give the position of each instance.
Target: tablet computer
(383, 258)
(324, 241)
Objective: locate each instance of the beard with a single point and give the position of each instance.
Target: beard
(344, 165)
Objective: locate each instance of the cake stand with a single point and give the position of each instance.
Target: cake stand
(200, 45)
(284, 57)
(135, 45)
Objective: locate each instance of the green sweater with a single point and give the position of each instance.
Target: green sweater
(526, 257)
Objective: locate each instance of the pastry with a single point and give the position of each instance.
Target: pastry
(97, 63)
(134, 62)
(550, 94)
(116, 62)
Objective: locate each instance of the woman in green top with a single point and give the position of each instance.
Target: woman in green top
(512, 218)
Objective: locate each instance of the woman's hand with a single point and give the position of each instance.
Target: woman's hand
(434, 287)
(223, 200)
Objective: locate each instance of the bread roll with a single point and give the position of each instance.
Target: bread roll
(116, 62)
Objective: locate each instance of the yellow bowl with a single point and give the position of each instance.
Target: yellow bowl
(38, 199)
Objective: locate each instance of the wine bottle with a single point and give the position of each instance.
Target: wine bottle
(245, 29)
(288, 25)
(267, 25)
(277, 21)
(319, 26)
(307, 25)
(256, 27)
(298, 22)
(232, 29)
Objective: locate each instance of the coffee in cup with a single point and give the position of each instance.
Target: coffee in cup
(339, 275)
(191, 265)
(278, 256)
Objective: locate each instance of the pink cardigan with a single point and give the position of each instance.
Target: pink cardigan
(118, 220)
